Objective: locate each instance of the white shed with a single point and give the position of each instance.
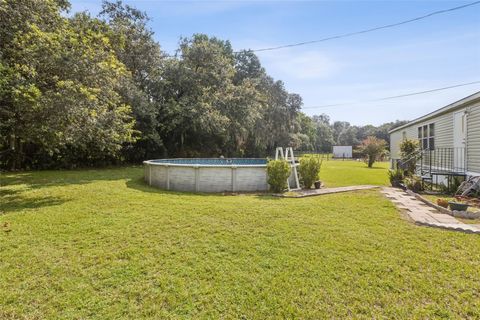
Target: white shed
(342, 151)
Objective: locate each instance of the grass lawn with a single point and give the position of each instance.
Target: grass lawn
(101, 244)
(338, 173)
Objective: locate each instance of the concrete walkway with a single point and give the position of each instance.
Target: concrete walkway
(316, 192)
(425, 215)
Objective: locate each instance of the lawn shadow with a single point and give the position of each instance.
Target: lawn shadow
(13, 185)
(55, 178)
(267, 197)
(8, 192)
(17, 203)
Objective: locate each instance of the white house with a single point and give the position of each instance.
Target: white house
(449, 138)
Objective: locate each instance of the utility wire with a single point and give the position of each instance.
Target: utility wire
(393, 97)
(350, 34)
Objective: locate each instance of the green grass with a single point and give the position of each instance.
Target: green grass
(338, 173)
(101, 244)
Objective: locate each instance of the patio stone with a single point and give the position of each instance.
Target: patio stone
(425, 215)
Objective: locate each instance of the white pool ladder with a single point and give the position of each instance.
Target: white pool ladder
(289, 157)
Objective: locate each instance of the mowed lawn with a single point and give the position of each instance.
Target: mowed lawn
(339, 173)
(100, 244)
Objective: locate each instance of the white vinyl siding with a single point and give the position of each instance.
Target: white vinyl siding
(395, 140)
(473, 138)
(443, 130)
(444, 135)
(397, 137)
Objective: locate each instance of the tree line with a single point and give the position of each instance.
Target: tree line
(83, 90)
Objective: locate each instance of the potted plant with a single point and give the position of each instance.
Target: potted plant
(442, 203)
(414, 183)
(396, 177)
(458, 206)
(317, 184)
(309, 170)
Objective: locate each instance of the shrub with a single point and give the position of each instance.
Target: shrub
(409, 153)
(309, 170)
(278, 172)
(396, 177)
(373, 149)
(414, 183)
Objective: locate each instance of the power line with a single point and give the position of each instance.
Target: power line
(350, 34)
(393, 97)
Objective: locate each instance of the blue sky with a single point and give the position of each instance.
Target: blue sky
(436, 52)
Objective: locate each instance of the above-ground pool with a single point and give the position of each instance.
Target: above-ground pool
(208, 174)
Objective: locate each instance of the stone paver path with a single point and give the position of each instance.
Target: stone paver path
(425, 215)
(316, 192)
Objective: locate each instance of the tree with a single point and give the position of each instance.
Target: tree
(382, 131)
(372, 148)
(307, 135)
(348, 136)
(338, 127)
(82, 90)
(132, 40)
(324, 139)
(247, 66)
(196, 90)
(322, 118)
(59, 99)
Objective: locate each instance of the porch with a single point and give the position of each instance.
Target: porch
(438, 166)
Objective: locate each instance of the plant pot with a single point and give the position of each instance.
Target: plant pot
(442, 203)
(456, 206)
(317, 184)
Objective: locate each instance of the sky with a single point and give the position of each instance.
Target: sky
(439, 51)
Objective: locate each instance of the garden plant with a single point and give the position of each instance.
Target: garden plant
(309, 170)
(278, 172)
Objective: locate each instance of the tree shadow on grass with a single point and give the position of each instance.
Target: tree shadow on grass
(267, 197)
(13, 185)
(18, 203)
(54, 178)
(8, 192)
(13, 199)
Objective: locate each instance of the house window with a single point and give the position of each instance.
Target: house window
(404, 135)
(431, 138)
(426, 136)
